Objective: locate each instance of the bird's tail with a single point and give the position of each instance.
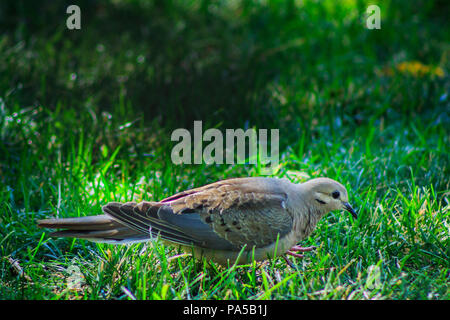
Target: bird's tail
(100, 228)
(137, 222)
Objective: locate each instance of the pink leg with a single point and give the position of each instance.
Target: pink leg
(294, 254)
(289, 263)
(302, 249)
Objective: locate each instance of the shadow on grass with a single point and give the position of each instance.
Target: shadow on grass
(172, 61)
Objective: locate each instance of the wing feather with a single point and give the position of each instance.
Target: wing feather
(227, 215)
(247, 211)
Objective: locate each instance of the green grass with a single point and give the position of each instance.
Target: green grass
(86, 118)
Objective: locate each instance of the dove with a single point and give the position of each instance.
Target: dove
(232, 220)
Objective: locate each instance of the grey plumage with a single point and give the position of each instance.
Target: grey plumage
(263, 217)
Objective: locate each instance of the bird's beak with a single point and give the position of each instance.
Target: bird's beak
(349, 208)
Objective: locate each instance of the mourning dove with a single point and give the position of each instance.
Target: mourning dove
(246, 218)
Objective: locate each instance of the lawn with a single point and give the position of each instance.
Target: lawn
(86, 117)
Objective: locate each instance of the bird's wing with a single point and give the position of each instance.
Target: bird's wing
(248, 211)
(225, 215)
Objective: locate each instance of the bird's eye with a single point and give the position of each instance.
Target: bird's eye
(335, 194)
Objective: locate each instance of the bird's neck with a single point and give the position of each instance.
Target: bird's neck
(308, 214)
(306, 221)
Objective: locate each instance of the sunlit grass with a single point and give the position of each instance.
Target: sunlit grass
(70, 144)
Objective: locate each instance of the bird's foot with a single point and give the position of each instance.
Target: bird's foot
(293, 251)
(295, 254)
(289, 263)
(302, 249)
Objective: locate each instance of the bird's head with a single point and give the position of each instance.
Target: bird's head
(328, 195)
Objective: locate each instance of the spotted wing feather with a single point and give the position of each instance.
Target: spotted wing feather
(243, 211)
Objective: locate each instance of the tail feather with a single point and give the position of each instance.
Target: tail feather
(100, 228)
(102, 222)
(136, 222)
(147, 220)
